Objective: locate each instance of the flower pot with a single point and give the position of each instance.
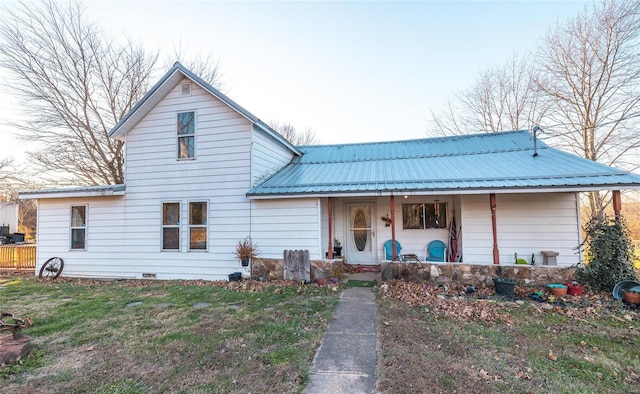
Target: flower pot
(245, 262)
(631, 297)
(575, 289)
(321, 281)
(504, 286)
(558, 290)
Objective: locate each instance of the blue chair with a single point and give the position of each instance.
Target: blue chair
(436, 250)
(388, 252)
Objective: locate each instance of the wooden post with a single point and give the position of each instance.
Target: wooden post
(330, 225)
(617, 203)
(393, 228)
(496, 252)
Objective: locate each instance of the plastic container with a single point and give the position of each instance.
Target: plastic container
(235, 277)
(558, 289)
(504, 286)
(574, 288)
(625, 285)
(631, 297)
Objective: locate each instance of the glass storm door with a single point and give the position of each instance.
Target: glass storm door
(360, 239)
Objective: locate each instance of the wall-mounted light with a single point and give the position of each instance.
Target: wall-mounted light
(406, 196)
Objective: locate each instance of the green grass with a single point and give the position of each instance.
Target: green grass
(87, 338)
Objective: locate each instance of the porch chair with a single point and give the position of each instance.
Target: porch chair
(436, 251)
(388, 252)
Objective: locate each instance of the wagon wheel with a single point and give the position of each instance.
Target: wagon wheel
(52, 268)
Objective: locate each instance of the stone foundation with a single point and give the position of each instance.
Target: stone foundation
(274, 268)
(476, 274)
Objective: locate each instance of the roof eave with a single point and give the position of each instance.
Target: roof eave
(432, 192)
(116, 190)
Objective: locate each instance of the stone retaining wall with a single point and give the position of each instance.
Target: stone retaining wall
(274, 268)
(476, 274)
(441, 272)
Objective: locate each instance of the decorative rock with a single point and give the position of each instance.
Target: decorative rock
(134, 303)
(434, 271)
(201, 305)
(12, 350)
(165, 304)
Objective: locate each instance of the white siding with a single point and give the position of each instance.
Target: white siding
(125, 233)
(268, 156)
(286, 224)
(526, 224)
(105, 230)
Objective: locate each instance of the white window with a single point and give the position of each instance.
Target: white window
(186, 135)
(171, 226)
(198, 225)
(79, 227)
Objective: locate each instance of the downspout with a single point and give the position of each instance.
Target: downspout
(330, 225)
(579, 224)
(393, 228)
(494, 227)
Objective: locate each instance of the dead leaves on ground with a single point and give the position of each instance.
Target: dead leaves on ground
(453, 301)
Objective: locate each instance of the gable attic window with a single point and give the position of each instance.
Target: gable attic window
(78, 227)
(185, 89)
(186, 135)
(423, 216)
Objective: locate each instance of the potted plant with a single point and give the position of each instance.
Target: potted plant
(246, 250)
(574, 288)
(337, 247)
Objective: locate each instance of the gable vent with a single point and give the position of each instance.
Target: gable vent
(185, 89)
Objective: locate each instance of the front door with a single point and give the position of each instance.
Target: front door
(360, 234)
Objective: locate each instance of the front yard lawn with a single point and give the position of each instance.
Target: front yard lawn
(239, 337)
(165, 336)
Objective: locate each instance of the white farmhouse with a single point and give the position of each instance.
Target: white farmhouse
(202, 173)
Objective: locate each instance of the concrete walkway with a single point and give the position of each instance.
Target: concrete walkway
(347, 359)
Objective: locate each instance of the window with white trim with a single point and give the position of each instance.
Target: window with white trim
(423, 216)
(171, 226)
(186, 135)
(79, 227)
(198, 225)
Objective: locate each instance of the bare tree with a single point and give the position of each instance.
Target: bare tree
(5, 170)
(204, 66)
(297, 138)
(502, 98)
(589, 70)
(75, 84)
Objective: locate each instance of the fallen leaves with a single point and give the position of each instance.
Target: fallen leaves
(445, 301)
(481, 305)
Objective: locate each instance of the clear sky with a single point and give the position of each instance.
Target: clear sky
(352, 71)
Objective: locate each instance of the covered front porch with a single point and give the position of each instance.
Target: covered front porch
(536, 228)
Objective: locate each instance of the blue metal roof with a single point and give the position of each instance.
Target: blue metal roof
(460, 164)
